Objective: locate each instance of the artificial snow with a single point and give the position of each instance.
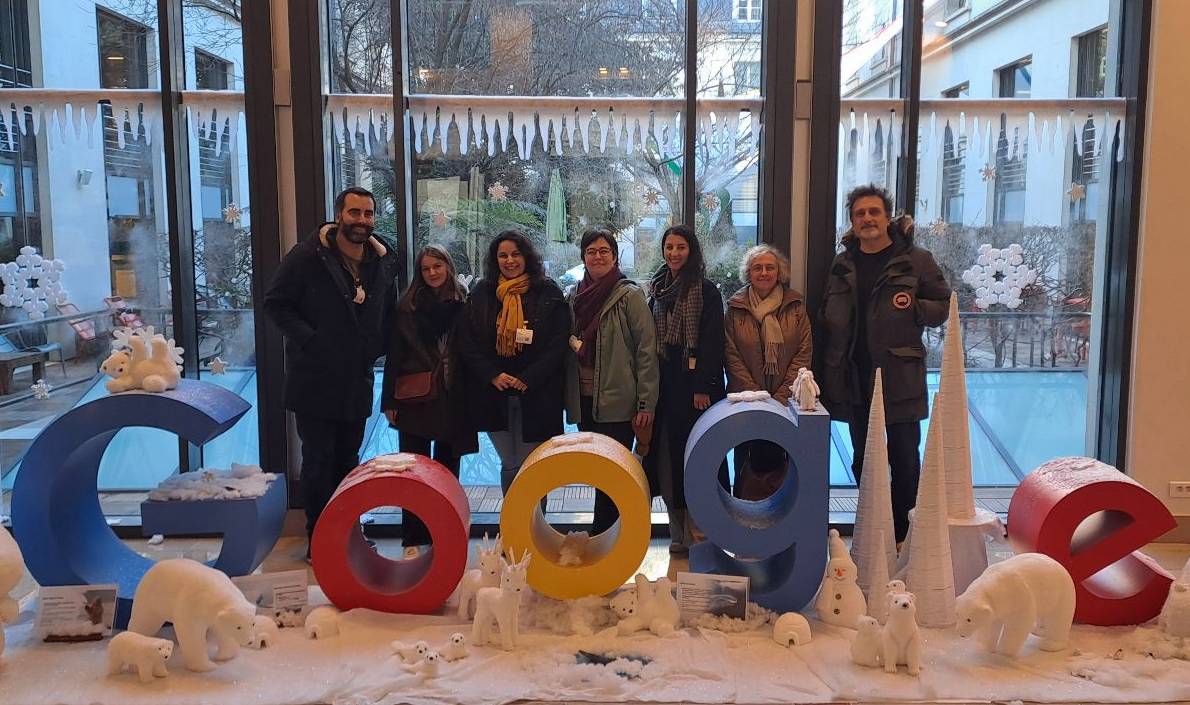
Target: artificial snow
(240, 482)
(357, 667)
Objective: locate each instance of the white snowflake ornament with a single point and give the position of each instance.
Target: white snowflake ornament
(232, 213)
(41, 390)
(999, 276)
(987, 172)
(498, 192)
(32, 283)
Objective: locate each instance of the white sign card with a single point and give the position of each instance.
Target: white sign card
(718, 595)
(76, 612)
(286, 590)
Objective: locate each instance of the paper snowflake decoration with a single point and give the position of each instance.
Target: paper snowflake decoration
(232, 213)
(41, 390)
(652, 197)
(987, 172)
(498, 192)
(32, 282)
(1077, 191)
(937, 227)
(217, 366)
(710, 202)
(999, 276)
(122, 340)
(440, 218)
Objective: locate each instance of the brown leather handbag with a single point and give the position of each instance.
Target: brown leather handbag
(417, 386)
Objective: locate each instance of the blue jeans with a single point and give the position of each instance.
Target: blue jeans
(510, 445)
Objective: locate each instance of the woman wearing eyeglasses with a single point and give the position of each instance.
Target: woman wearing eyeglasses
(613, 378)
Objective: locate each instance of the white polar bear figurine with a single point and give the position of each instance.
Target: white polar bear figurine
(12, 567)
(150, 366)
(646, 606)
(900, 641)
(145, 653)
(197, 599)
(866, 646)
(791, 629)
(322, 622)
(1030, 592)
(264, 632)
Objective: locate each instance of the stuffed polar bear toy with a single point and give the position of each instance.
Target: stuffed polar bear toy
(197, 599)
(866, 647)
(646, 606)
(144, 653)
(900, 640)
(1028, 593)
(150, 366)
(12, 567)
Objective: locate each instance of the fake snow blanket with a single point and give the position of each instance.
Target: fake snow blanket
(357, 667)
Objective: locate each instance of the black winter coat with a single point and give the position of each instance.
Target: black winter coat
(910, 294)
(443, 418)
(540, 364)
(331, 343)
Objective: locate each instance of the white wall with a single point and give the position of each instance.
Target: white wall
(1159, 420)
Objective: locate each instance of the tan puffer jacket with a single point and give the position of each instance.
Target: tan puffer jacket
(745, 354)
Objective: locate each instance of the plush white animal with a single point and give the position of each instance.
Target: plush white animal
(899, 639)
(197, 599)
(322, 623)
(410, 653)
(1175, 613)
(486, 575)
(150, 366)
(646, 605)
(574, 545)
(455, 649)
(805, 390)
(425, 668)
(501, 605)
(12, 567)
(264, 632)
(144, 653)
(866, 647)
(891, 587)
(840, 601)
(1030, 592)
(791, 629)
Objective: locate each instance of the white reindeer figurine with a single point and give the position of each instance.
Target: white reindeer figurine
(502, 604)
(805, 390)
(486, 575)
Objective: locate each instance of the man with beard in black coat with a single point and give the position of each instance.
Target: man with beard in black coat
(332, 297)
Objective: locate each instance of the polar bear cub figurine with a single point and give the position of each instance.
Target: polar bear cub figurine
(791, 629)
(900, 641)
(866, 647)
(144, 653)
(1030, 592)
(197, 599)
(646, 606)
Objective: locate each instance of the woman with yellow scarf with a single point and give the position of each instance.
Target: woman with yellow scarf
(513, 344)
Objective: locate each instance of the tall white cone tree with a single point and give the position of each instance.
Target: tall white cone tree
(956, 435)
(873, 532)
(929, 573)
(875, 571)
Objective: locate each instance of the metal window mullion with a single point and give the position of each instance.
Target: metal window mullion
(690, 133)
(911, 95)
(402, 157)
(172, 55)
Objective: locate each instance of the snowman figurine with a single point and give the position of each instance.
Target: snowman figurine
(840, 601)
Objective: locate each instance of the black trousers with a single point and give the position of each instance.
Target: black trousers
(414, 531)
(903, 458)
(330, 450)
(606, 513)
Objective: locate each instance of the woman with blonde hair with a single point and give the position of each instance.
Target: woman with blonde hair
(422, 392)
(767, 341)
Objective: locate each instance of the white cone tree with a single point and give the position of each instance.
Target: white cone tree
(875, 571)
(956, 434)
(929, 573)
(873, 534)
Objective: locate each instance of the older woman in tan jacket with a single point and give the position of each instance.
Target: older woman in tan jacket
(768, 340)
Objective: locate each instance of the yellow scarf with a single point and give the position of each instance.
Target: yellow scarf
(512, 314)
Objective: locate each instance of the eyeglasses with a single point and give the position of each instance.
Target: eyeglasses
(600, 252)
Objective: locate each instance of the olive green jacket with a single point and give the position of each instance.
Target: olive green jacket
(627, 379)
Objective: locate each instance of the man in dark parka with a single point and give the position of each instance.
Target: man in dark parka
(882, 291)
(332, 297)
